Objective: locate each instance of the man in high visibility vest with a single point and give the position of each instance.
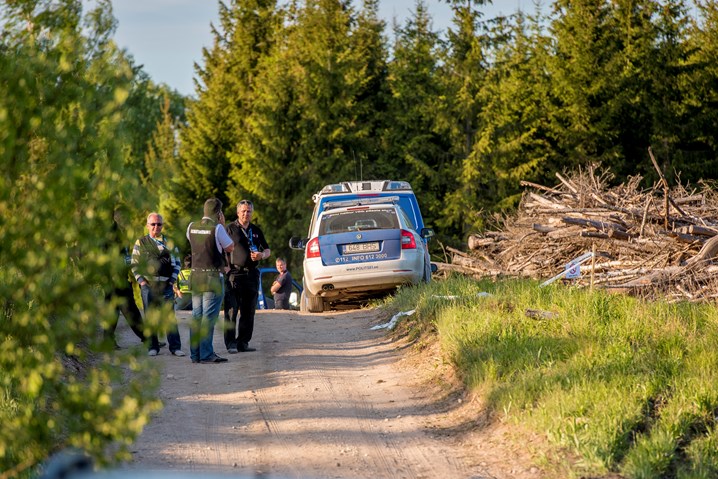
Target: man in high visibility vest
(183, 293)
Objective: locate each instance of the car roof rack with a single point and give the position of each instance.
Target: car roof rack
(361, 202)
(374, 186)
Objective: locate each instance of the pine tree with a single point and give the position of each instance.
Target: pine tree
(700, 108)
(464, 71)
(513, 142)
(216, 119)
(313, 115)
(416, 148)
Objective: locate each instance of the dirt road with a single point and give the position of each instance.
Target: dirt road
(322, 397)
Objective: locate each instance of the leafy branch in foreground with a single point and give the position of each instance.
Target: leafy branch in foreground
(61, 148)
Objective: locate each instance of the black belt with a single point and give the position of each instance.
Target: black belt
(241, 270)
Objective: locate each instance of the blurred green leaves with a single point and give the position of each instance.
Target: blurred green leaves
(63, 85)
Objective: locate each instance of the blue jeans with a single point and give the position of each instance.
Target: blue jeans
(205, 311)
(155, 293)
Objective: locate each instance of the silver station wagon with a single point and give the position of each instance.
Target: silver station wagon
(359, 249)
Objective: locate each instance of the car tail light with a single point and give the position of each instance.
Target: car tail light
(407, 240)
(313, 249)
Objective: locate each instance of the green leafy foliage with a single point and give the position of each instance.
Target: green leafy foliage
(64, 87)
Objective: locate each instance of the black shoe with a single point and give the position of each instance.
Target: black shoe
(214, 359)
(244, 348)
(162, 344)
(195, 361)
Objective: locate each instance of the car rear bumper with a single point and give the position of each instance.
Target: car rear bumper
(333, 282)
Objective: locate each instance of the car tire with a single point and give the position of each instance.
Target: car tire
(303, 302)
(427, 272)
(311, 303)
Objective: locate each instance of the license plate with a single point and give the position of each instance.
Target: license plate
(361, 247)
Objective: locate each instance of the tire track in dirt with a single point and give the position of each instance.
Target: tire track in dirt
(322, 397)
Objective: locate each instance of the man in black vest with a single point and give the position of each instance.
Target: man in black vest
(156, 266)
(210, 243)
(243, 279)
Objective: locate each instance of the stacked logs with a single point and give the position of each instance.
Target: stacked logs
(651, 242)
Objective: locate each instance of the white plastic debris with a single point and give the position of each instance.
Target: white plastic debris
(394, 319)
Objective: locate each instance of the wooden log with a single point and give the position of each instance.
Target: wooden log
(619, 235)
(699, 198)
(567, 183)
(707, 252)
(543, 228)
(476, 242)
(702, 230)
(599, 225)
(594, 234)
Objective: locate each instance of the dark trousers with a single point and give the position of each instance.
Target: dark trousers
(158, 293)
(128, 307)
(240, 299)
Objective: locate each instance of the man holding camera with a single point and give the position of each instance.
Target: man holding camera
(240, 297)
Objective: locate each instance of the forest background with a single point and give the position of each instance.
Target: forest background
(293, 96)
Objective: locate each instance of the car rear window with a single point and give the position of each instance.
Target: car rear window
(361, 220)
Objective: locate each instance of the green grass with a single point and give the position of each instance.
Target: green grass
(628, 386)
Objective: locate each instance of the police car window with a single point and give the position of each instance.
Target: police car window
(348, 221)
(406, 217)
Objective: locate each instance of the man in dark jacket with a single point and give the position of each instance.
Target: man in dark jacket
(243, 279)
(210, 244)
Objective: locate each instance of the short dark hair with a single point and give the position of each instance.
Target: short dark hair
(212, 207)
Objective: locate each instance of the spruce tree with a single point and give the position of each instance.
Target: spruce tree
(224, 87)
(416, 148)
(313, 115)
(513, 142)
(464, 71)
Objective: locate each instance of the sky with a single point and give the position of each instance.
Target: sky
(167, 36)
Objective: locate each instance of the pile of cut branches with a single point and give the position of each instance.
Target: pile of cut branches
(651, 242)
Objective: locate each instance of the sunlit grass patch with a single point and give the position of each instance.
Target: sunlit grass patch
(628, 385)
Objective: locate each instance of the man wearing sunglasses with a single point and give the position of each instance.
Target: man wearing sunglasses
(155, 265)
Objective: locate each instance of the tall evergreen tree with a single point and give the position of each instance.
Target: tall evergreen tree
(513, 142)
(464, 71)
(416, 148)
(680, 67)
(216, 118)
(700, 108)
(313, 114)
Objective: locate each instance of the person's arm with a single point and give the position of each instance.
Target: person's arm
(224, 240)
(266, 252)
(176, 266)
(275, 285)
(136, 262)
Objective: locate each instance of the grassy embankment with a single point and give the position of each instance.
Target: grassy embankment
(627, 385)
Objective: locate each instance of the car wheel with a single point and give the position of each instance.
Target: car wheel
(427, 272)
(313, 304)
(303, 302)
